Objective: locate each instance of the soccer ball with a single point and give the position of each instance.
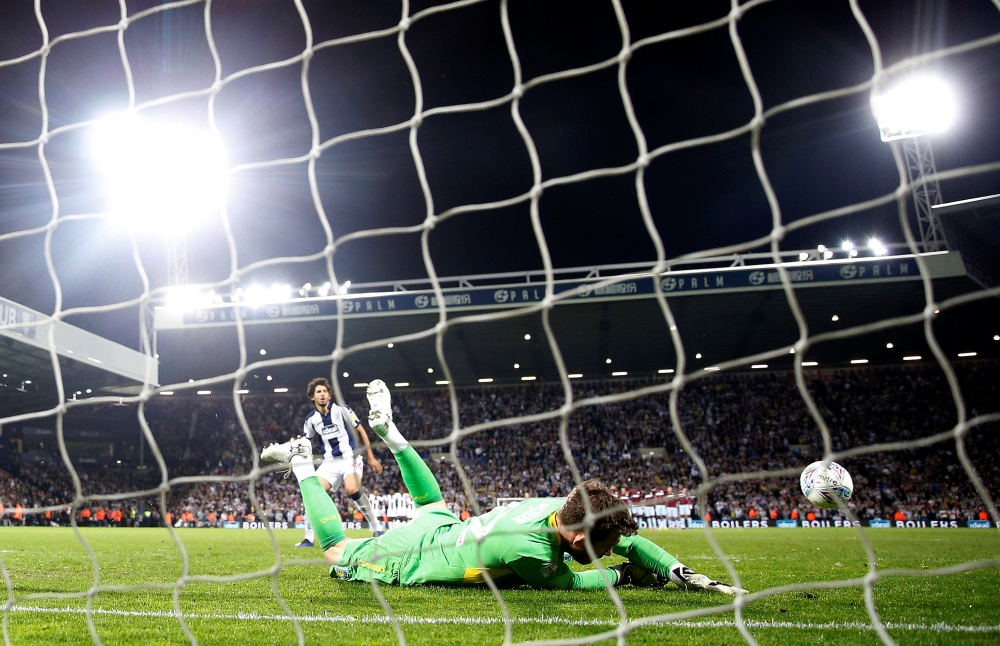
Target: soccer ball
(824, 486)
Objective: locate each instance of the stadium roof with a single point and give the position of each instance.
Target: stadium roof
(624, 325)
(973, 226)
(89, 364)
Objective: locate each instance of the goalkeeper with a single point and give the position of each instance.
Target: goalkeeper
(519, 544)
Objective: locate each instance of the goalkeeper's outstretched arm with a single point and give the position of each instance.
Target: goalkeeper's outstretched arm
(612, 532)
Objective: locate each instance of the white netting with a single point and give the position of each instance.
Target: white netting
(636, 168)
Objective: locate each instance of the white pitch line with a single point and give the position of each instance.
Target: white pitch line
(481, 621)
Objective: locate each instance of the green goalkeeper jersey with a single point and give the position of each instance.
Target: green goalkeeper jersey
(516, 545)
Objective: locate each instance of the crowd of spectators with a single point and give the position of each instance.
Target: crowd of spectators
(736, 422)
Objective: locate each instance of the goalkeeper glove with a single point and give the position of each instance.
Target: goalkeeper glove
(686, 578)
(633, 574)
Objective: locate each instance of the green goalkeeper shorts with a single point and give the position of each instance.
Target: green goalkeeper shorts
(397, 551)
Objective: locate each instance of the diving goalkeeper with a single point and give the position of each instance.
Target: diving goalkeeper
(519, 544)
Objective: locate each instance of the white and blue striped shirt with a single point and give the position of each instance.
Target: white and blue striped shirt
(335, 429)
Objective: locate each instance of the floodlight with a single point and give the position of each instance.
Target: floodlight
(346, 375)
(187, 298)
(914, 106)
(803, 256)
(158, 175)
(254, 295)
(827, 254)
(280, 292)
(877, 247)
(847, 245)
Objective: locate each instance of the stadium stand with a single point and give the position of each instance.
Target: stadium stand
(738, 422)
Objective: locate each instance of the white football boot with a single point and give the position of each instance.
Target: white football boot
(285, 451)
(380, 407)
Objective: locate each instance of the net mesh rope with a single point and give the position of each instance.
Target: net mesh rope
(636, 168)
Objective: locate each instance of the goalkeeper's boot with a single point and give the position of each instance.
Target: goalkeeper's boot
(285, 451)
(380, 407)
(685, 577)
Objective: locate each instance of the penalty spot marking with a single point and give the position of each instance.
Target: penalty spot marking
(483, 621)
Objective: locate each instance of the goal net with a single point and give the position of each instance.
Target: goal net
(282, 89)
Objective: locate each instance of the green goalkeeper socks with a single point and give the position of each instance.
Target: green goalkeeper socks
(417, 476)
(322, 513)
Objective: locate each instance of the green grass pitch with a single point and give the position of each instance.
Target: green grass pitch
(958, 608)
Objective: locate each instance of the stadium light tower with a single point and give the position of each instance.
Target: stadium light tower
(161, 177)
(908, 110)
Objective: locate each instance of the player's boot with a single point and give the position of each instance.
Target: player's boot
(285, 451)
(380, 407)
(380, 418)
(305, 542)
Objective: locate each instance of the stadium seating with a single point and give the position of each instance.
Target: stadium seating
(738, 423)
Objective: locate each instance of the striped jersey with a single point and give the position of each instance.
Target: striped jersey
(335, 429)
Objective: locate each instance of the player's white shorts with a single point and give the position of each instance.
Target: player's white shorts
(333, 471)
(685, 509)
(671, 512)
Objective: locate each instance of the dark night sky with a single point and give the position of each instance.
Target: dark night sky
(821, 157)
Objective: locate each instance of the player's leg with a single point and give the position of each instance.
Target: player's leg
(297, 453)
(423, 487)
(352, 487)
(326, 473)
